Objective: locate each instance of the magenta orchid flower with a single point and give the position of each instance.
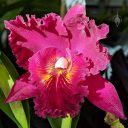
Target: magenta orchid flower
(63, 60)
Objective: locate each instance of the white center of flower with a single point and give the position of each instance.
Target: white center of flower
(61, 63)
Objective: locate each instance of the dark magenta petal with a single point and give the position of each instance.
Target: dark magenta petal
(21, 90)
(58, 95)
(103, 94)
(53, 23)
(75, 10)
(29, 37)
(57, 99)
(79, 69)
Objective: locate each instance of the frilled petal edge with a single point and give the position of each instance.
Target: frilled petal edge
(59, 93)
(28, 37)
(85, 36)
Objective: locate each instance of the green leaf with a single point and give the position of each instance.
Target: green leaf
(10, 15)
(117, 124)
(6, 109)
(17, 109)
(9, 75)
(75, 121)
(27, 111)
(55, 122)
(9, 66)
(66, 122)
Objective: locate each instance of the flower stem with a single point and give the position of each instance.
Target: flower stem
(66, 122)
(113, 121)
(62, 8)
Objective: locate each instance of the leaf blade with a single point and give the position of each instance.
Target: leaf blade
(10, 74)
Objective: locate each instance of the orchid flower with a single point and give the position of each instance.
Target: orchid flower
(63, 60)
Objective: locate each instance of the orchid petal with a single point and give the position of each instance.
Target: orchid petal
(42, 63)
(26, 38)
(103, 94)
(53, 23)
(75, 10)
(54, 89)
(21, 90)
(85, 36)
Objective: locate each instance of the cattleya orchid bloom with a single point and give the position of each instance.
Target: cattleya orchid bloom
(63, 59)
